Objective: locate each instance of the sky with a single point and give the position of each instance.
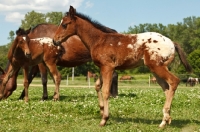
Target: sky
(116, 14)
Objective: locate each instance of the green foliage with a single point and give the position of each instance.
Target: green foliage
(194, 59)
(11, 36)
(3, 56)
(34, 18)
(54, 17)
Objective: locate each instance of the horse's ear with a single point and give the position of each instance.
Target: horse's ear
(28, 31)
(72, 12)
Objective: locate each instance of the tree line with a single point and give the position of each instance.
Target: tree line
(186, 33)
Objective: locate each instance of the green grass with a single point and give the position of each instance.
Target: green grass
(137, 108)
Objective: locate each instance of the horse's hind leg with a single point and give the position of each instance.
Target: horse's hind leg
(169, 84)
(98, 85)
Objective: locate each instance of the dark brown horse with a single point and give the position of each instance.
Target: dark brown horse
(75, 54)
(112, 51)
(25, 52)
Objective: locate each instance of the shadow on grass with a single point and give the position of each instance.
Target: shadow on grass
(174, 123)
(71, 97)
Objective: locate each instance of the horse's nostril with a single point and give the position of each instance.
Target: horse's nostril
(56, 43)
(28, 55)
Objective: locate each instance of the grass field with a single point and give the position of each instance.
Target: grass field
(138, 108)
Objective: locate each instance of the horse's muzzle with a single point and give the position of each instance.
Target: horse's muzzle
(56, 43)
(28, 55)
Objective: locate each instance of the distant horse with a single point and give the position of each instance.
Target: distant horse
(126, 77)
(153, 80)
(25, 52)
(91, 75)
(112, 51)
(75, 54)
(192, 81)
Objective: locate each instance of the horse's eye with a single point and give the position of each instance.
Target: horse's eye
(64, 26)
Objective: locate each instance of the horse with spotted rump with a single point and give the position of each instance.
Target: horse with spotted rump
(111, 51)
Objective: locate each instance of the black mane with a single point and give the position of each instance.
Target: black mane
(95, 23)
(21, 31)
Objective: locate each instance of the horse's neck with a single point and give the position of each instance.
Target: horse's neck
(14, 77)
(88, 34)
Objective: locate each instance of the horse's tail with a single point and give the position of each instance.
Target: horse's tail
(182, 57)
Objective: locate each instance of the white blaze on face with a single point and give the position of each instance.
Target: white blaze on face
(24, 38)
(45, 40)
(61, 22)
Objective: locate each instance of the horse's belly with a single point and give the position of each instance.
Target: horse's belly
(128, 64)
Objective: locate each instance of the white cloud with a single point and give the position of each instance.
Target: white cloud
(14, 10)
(14, 17)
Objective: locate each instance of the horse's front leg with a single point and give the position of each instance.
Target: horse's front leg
(106, 73)
(33, 72)
(57, 78)
(26, 83)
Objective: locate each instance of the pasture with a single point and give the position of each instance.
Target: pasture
(137, 108)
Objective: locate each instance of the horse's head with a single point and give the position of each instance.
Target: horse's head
(21, 42)
(66, 28)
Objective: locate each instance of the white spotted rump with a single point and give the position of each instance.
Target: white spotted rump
(159, 47)
(44, 40)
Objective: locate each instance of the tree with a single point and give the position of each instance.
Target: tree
(194, 60)
(54, 17)
(32, 19)
(11, 36)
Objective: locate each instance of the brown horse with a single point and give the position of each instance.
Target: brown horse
(91, 75)
(75, 54)
(153, 80)
(42, 51)
(112, 51)
(126, 77)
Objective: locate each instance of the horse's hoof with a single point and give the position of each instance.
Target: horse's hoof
(44, 98)
(166, 121)
(103, 122)
(55, 99)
